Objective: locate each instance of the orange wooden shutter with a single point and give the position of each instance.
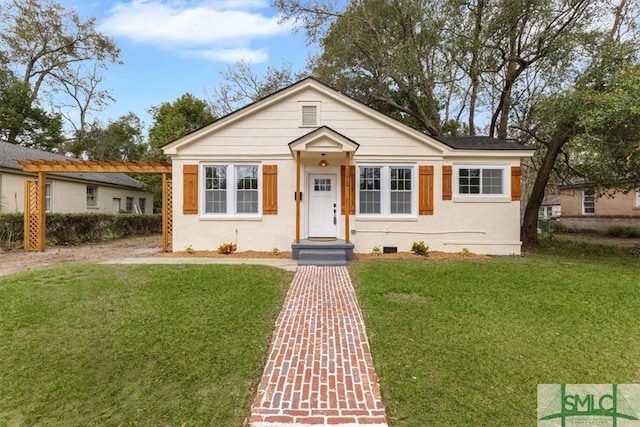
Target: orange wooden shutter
(269, 189)
(516, 190)
(352, 191)
(446, 183)
(190, 189)
(425, 189)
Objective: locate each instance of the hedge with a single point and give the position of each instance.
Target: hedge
(70, 229)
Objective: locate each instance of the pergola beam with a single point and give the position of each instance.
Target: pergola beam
(93, 166)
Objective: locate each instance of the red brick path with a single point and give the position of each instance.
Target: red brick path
(319, 370)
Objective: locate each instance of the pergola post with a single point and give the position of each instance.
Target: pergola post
(42, 207)
(298, 196)
(347, 197)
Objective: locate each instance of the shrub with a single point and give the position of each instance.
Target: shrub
(376, 251)
(227, 248)
(465, 252)
(419, 248)
(624, 231)
(275, 251)
(11, 231)
(69, 229)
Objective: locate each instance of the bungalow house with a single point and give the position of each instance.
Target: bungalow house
(584, 209)
(308, 165)
(69, 192)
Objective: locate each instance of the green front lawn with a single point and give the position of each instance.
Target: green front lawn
(467, 343)
(93, 345)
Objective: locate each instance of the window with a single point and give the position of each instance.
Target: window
(141, 204)
(480, 180)
(637, 198)
(92, 195)
(232, 189)
(588, 202)
(386, 190)
(310, 114)
(129, 204)
(48, 196)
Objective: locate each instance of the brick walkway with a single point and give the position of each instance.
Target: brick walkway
(319, 370)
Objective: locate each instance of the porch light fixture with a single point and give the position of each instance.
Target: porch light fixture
(323, 163)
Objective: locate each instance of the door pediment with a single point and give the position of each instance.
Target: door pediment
(324, 140)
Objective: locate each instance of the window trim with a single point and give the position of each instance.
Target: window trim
(95, 196)
(506, 181)
(49, 198)
(637, 205)
(584, 212)
(316, 104)
(231, 191)
(126, 204)
(385, 190)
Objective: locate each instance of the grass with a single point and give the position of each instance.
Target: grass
(467, 343)
(156, 345)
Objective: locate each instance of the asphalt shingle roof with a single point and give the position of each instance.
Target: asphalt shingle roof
(480, 143)
(10, 152)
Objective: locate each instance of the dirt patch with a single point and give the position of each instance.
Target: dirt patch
(18, 260)
(433, 255)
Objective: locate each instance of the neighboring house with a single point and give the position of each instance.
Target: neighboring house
(584, 209)
(69, 192)
(236, 180)
(550, 207)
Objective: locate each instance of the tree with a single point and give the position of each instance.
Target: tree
(47, 45)
(121, 139)
(32, 126)
(241, 86)
(176, 119)
(590, 131)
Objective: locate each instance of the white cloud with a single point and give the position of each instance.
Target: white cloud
(254, 56)
(219, 30)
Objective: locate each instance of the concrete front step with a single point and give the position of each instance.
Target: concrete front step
(322, 256)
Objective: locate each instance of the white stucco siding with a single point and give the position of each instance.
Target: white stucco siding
(453, 226)
(262, 233)
(68, 196)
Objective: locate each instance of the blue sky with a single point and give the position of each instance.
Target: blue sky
(170, 47)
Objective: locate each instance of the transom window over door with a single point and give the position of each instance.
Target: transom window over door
(232, 189)
(386, 190)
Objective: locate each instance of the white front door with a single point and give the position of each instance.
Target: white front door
(323, 214)
(115, 205)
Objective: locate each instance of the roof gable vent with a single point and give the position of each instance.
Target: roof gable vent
(310, 115)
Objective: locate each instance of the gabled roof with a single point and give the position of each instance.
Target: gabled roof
(324, 139)
(480, 143)
(288, 91)
(447, 145)
(10, 152)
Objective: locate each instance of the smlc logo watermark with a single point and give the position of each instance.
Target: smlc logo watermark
(601, 405)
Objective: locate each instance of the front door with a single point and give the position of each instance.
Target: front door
(115, 205)
(323, 205)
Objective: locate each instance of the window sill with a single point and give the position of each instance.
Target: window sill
(230, 218)
(93, 207)
(481, 199)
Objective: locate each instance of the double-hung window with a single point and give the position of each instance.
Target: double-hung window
(386, 190)
(48, 197)
(588, 202)
(480, 180)
(231, 189)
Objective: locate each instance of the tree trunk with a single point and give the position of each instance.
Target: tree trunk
(529, 229)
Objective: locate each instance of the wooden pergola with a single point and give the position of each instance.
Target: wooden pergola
(35, 226)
